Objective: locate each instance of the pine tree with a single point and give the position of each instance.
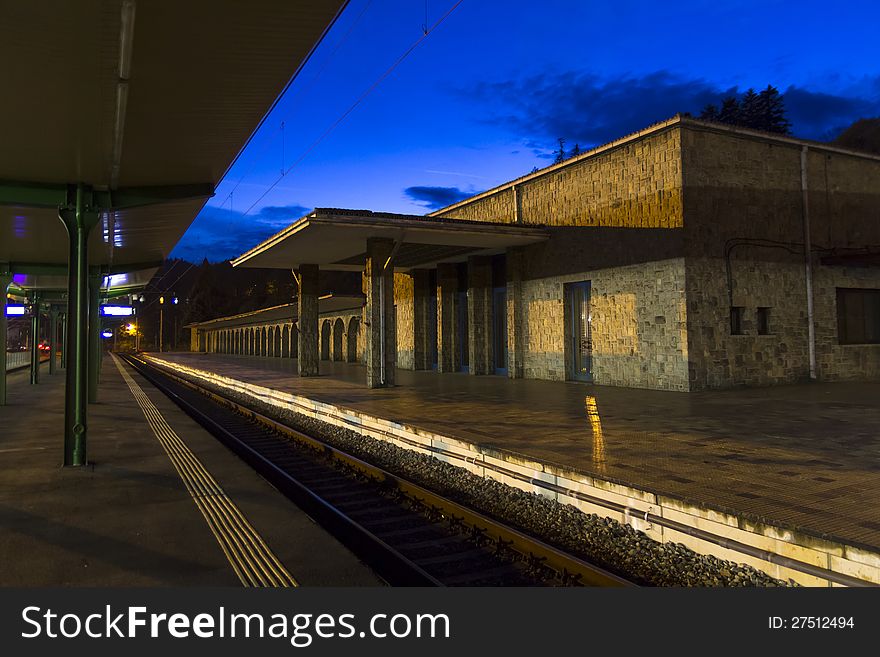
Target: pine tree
(773, 111)
(751, 111)
(709, 113)
(729, 112)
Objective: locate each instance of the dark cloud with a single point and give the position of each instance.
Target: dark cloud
(823, 116)
(220, 234)
(435, 198)
(589, 110)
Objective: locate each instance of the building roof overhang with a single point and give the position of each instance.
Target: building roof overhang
(337, 240)
(287, 312)
(147, 104)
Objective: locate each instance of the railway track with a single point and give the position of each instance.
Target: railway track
(409, 535)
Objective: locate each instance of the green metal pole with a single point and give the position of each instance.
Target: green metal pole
(79, 221)
(53, 336)
(94, 335)
(35, 340)
(5, 280)
(63, 340)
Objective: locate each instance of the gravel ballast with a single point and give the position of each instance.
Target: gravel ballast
(604, 541)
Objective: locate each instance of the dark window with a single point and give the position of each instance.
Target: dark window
(763, 321)
(736, 320)
(858, 316)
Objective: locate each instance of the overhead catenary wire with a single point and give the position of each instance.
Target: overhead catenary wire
(354, 105)
(300, 91)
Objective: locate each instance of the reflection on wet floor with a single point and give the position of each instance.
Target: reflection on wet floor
(598, 438)
(770, 452)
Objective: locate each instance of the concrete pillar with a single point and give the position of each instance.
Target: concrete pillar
(307, 307)
(381, 334)
(447, 317)
(421, 313)
(480, 315)
(515, 326)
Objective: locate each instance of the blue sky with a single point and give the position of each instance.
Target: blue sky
(484, 96)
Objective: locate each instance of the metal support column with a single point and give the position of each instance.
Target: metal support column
(5, 280)
(53, 337)
(63, 340)
(94, 335)
(78, 219)
(35, 340)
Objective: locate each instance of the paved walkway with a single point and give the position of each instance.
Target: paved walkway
(127, 519)
(803, 456)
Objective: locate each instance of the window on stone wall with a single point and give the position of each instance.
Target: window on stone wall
(736, 320)
(762, 319)
(858, 316)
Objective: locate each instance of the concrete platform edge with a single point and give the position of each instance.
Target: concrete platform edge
(862, 562)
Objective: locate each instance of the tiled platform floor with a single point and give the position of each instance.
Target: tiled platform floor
(127, 519)
(804, 456)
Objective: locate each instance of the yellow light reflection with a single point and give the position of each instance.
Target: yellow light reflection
(598, 437)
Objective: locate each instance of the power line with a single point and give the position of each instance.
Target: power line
(300, 92)
(357, 102)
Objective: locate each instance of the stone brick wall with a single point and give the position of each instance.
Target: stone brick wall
(741, 185)
(404, 298)
(835, 361)
(721, 360)
(743, 197)
(633, 184)
(638, 325)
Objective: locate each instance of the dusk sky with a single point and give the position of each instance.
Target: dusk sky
(483, 98)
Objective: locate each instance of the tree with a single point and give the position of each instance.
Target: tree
(560, 154)
(709, 113)
(729, 112)
(751, 111)
(759, 111)
(771, 110)
(575, 151)
(863, 135)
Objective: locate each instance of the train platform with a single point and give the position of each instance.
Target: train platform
(161, 503)
(791, 469)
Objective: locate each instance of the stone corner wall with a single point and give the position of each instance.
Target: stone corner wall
(639, 326)
(636, 184)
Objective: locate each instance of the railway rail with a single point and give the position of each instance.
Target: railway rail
(408, 534)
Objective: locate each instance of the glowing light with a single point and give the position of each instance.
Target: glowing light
(598, 436)
(117, 311)
(107, 334)
(14, 311)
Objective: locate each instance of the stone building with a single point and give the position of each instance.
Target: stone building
(673, 258)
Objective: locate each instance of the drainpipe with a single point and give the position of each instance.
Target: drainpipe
(808, 266)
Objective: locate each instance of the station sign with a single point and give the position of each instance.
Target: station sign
(117, 311)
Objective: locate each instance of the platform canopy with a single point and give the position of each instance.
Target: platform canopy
(287, 312)
(147, 104)
(336, 240)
